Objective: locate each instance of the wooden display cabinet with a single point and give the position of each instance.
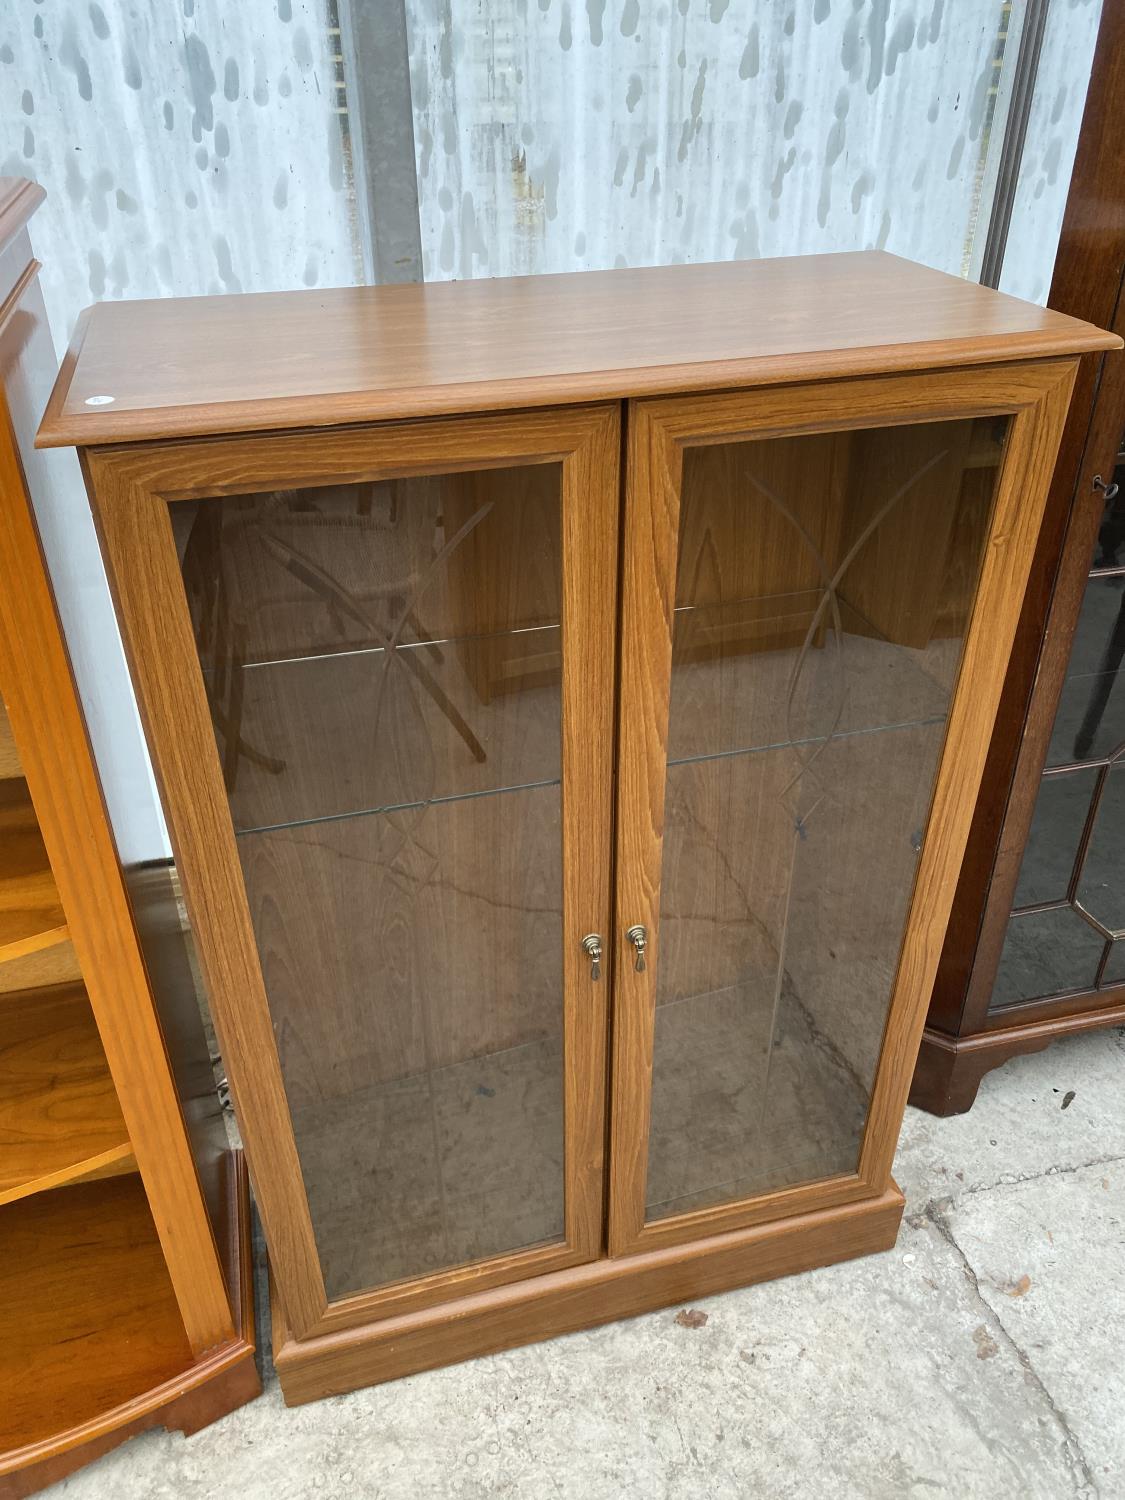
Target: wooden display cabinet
(567, 696)
(125, 1292)
(1035, 948)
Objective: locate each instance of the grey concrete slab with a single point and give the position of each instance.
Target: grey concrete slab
(1018, 1127)
(1049, 1259)
(882, 1378)
(907, 1375)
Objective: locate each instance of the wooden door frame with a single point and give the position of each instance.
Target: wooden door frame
(130, 489)
(1035, 394)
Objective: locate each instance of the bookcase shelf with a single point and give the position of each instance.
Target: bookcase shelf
(125, 1273)
(60, 1121)
(31, 915)
(107, 1325)
(9, 755)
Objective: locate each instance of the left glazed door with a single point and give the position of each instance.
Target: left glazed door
(376, 669)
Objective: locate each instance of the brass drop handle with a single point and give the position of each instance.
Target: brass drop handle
(638, 937)
(592, 947)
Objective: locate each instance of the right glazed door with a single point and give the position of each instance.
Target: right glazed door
(1066, 933)
(801, 570)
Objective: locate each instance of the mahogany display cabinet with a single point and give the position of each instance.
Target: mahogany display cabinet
(1035, 948)
(567, 696)
(126, 1295)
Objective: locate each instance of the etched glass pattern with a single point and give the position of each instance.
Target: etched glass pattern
(825, 583)
(383, 667)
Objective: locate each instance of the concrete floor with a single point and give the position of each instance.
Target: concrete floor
(983, 1356)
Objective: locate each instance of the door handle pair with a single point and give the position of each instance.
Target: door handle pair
(592, 947)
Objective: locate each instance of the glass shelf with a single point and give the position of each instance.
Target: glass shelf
(383, 664)
(398, 807)
(805, 729)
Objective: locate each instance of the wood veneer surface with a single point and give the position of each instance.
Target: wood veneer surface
(59, 1115)
(9, 755)
(31, 916)
(57, 964)
(299, 359)
(88, 1317)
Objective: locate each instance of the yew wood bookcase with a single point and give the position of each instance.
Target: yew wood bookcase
(125, 1291)
(568, 696)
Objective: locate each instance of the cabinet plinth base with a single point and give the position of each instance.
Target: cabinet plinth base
(579, 1297)
(219, 1381)
(949, 1069)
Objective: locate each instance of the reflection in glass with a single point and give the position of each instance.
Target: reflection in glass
(1090, 719)
(383, 667)
(1056, 830)
(1045, 952)
(1101, 884)
(1114, 971)
(823, 591)
(1073, 852)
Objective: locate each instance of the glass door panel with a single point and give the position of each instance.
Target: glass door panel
(823, 589)
(1066, 931)
(383, 667)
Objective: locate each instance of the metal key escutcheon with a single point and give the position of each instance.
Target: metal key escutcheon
(638, 937)
(592, 946)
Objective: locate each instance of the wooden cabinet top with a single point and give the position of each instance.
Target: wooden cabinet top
(184, 367)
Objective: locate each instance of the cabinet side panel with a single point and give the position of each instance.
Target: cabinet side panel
(51, 735)
(178, 994)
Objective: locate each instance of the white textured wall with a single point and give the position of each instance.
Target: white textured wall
(1052, 139)
(193, 146)
(185, 148)
(558, 135)
(555, 134)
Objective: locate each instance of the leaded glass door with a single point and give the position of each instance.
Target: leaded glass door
(1066, 932)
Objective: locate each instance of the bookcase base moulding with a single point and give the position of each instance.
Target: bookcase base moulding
(567, 697)
(601, 1291)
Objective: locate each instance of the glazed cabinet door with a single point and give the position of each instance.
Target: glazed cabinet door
(376, 669)
(820, 585)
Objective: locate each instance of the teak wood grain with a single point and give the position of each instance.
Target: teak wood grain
(49, 729)
(297, 360)
(580, 1297)
(109, 1359)
(51, 733)
(59, 1115)
(9, 755)
(31, 915)
(56, 964)
(133, 487)
(1035, 394)
(107, 1324)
